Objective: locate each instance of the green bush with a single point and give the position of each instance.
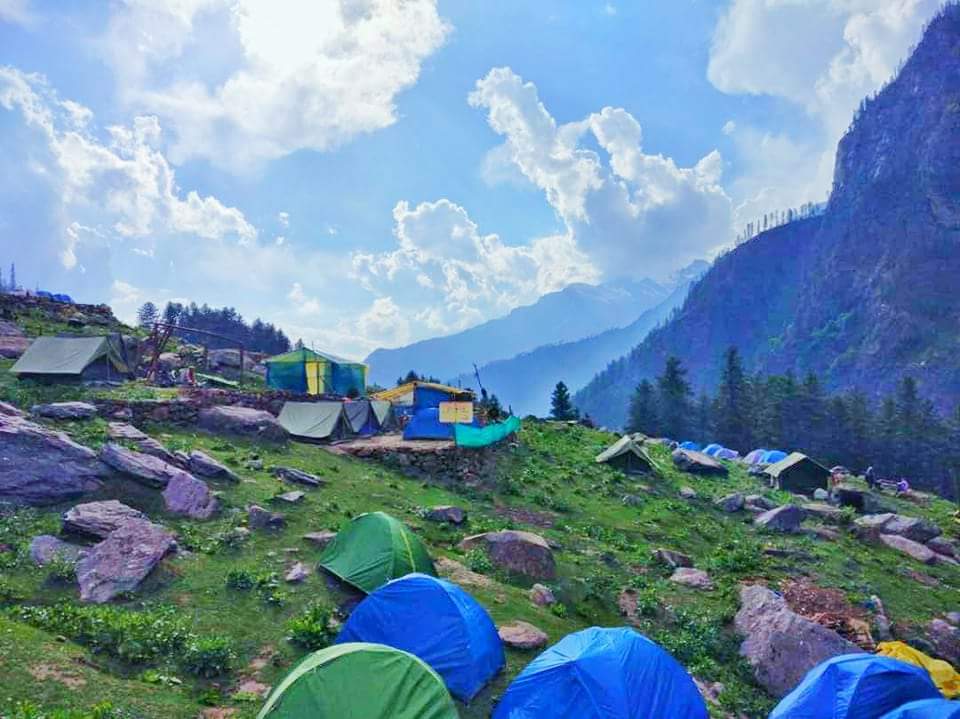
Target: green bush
(242, 579)
(61, 569)
(478, 560)
(27, 710)
(208, 656)
(314, 629)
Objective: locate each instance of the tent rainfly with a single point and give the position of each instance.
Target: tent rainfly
(627, 454)
(307, 371)
(373, 549)
(798, 473)
(371, 681)
(361, 419)
(314, 421)
(74, 359)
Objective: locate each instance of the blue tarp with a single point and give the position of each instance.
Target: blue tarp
(602, 674)
(926, 709)
(690, 445)
(712, 449)
(426, 424)
(772, 456)
(856, 686)
(436, 621)
(424, 397)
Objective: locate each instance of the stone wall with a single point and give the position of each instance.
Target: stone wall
(446, 464)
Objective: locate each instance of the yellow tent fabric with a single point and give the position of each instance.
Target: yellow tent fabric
(315, 371)
(942, 673)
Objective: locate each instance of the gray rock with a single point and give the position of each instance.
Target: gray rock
(298, 476)
(523, 553)
(125, 431)
(206, 466)
(13, 347)
(145, 468)
(290, 497)
(321, 539)
(260, 518)
(100, 519)
(784, 519)
(953, 618)
(188, 496)
(912, 549)
(945, 640)
(447, 513)
(731, 503)
(688, 493)
(696, 462)
(542, 596)
(522, 635)
(9, 410)
(153, 448)
(255, 465)
(915, 528)
(122, 561)
(694, 578)
(672, 559)
(758, 500)
(242, 422)
(824, 533)
(41, 466)
(780, 645)
(45, 547)
(862, 500)
(297, 573)
(821, 495)
(942, 545)
(65, 410)
(824, 512)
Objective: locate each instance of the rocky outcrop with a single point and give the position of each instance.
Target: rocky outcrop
(779, 644)
(824, 512)
(785, 519)
(945, 640)
(13, 343)
(731, 503)
(912, 549)
(522, 635)
(690, 577)
(759, 501)
(447, 513)
(144, 468)
(260, 518)
(523, 553)
(188, 496)
(65, 410)
(686, 460)
(206, 466)
(45, 548)
(298, 476)
(40, 466)
(99, 519)
(122, 561)
(242, 422)
(913, 528)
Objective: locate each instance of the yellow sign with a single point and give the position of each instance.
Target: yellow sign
(461, 412)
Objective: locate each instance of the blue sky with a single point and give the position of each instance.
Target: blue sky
(371, 172)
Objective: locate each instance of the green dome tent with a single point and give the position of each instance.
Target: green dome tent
(360, 681)
(373, 549)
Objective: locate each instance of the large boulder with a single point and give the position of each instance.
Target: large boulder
(125, 431)
(731, 503)
(65, 410)
(945, 640)
(13, 343)
(189, 497)
(523, 553)
(784, 519)
(687, 460)
(824, 512)
(242, 422)
(912, 549)
(99, 519)
(862, 500)
(144, 468)
(206, 466)
(913, 528)
(45, 548)
(122, 561)
(779, 644)
(41, 466)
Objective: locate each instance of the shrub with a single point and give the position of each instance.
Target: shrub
(208, 656)
(61, 569)
(314, 629)
(242, 579)
(103, 710)
(478, 560)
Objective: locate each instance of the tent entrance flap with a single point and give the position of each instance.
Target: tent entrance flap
(316, 381)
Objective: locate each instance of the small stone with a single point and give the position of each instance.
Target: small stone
(298, 476)
(255, 465)
(953, 618)
(688, 493)
(65, 410)
(541, 595)
(820, 494)
(321, 539)
(731, 503)
(689, 577)
(290, 497)
(260, 518)
(298, 572)
(672, 559)
(447, 513)
(758, 500)
(522, 635)
(824, 533)
(942, 545)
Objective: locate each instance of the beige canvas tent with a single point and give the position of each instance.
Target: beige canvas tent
(314, 421)
(75, 359)
(627, 454)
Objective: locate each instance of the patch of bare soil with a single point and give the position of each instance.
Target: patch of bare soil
(45, 672)
(527, 516)
(829, 608)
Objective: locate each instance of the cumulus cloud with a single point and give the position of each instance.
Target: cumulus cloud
(16, 12)
(822, 55)
(630, 212)
(302, 75)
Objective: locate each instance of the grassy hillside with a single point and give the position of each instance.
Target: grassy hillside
(604, 525)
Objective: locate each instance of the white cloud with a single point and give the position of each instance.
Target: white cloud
(729, 127)
(384, 322)
(125, 299)
(284, 219)
(635, 214)
(824, 56)
(302, 75)
(16, 12)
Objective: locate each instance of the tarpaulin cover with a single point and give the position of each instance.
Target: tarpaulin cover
(467, 435)
(313, 420)
(373, 549)
(426, 424)
(772, 456)
(926, 709)
(361, 418)
(383, 411)
(438, 622)
(943, 674)
(602, 674)
(690, 445)
(755, 457)
(712, 449)
(61, 355)
(855, 686)
(360, 681)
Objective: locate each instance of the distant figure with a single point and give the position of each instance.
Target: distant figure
(903, 486)
(869, 476)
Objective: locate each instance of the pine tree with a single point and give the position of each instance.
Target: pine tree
(147, 314)
(859, 440)
(703, 427)
(731, 413)
(643, 410)
(561, 406)
(673, 399)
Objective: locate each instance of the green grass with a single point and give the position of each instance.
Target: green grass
(605, 545)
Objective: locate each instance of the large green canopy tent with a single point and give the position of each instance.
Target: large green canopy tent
(798, 473)
(75, 359)
(628, 455)
(314, 421)
(373, 549)
(360, 681)
(307, 371)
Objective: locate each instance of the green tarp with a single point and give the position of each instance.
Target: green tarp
(373, 549)
(313, 421)
(469, 436)
(72, 357)
(360, 681)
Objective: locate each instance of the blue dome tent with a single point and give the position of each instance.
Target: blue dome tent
(690, 445)
(436, 621)
(755, 457)
(856, 686)
(772, 456)
(712, 449)
(926, 709)
(726, 453)
(602, 674)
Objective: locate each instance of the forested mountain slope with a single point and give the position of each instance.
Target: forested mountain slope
(864, 294)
